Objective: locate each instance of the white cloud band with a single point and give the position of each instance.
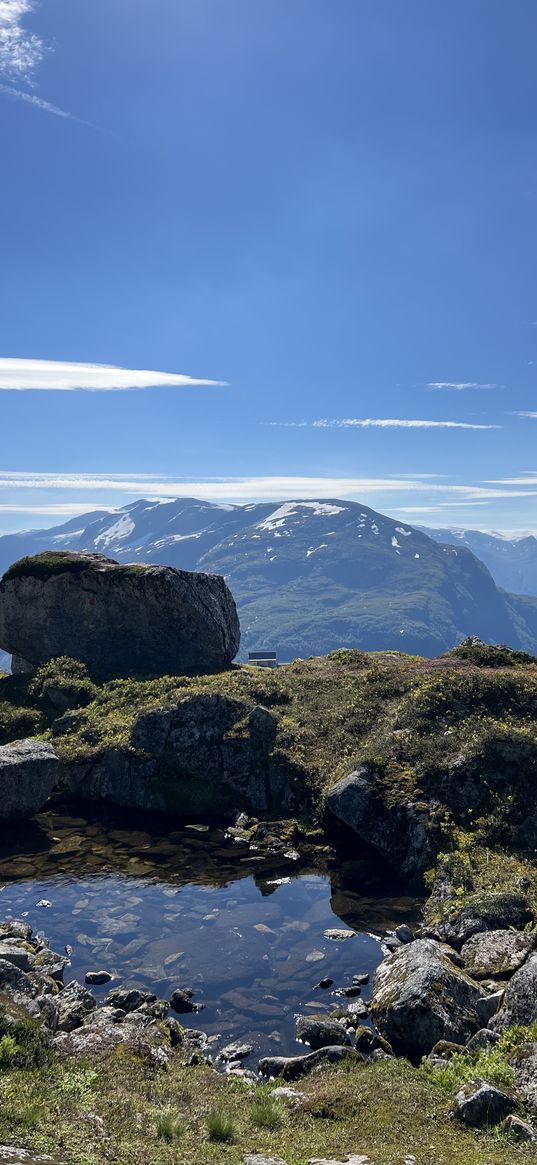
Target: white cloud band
(46, 375)
(378, 423)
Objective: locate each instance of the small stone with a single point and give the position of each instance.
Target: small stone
(404, 933)
(97, 978)
(44, 903)
(314, 957)
(518, 1129)
(479, 1104)
(324, 984)
(360, 980)
(291, 1095)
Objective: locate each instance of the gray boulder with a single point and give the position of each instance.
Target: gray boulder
(496, 953)
(74, 1004)
(319, 1032)
(294, 1067)
(404, 834)
(147, 620)
(420, 997)
(519, 1003)
(29, 771)
(479, 1104)
(18, 956)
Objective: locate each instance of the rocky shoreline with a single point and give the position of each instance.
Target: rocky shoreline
(450, 991)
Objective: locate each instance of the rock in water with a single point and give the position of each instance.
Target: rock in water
(29, 770)
(119, 620)
(405, 834)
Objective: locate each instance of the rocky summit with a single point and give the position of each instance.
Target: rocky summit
(117, 619)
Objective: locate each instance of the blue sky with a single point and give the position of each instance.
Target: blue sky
(329, 205)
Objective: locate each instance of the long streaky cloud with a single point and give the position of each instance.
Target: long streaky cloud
(62, 509)
(240, 489)
(529, 416)
(37, 102)
(378, 423)
(459, 385)
(55, 375)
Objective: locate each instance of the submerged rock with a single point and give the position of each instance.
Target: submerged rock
(147, 620)
(420, 997)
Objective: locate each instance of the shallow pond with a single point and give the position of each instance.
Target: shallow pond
(191, 909)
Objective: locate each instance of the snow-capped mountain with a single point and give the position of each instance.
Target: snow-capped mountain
(512, 561)
(309, 575)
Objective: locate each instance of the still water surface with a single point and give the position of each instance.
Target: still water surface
(190, 909)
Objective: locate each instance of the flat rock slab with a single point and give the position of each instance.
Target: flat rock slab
(496, 953)
(259, 1159)
(354, 1160)
(29, 771)
(12, 1156)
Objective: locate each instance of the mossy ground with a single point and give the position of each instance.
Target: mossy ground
(387, 1110)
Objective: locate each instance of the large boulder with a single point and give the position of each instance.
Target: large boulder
(420, 997)
(404, 833)
(117, 619)
(29, 771)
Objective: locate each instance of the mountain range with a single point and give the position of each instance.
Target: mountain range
(311, 575)
(512, 561)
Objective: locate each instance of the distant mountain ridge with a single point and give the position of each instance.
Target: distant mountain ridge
(512, 561)
(310, 575)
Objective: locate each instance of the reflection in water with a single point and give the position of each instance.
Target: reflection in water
(191, 909)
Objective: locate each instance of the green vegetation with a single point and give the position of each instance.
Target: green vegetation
(130, 1113)
(221, 1127)
(44, 565)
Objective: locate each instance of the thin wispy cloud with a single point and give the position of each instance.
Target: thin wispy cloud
(53, 510)
(240, 489)
(378, 423)
(459, 385)
(38, 102)
(529, 416)
(60, 376)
